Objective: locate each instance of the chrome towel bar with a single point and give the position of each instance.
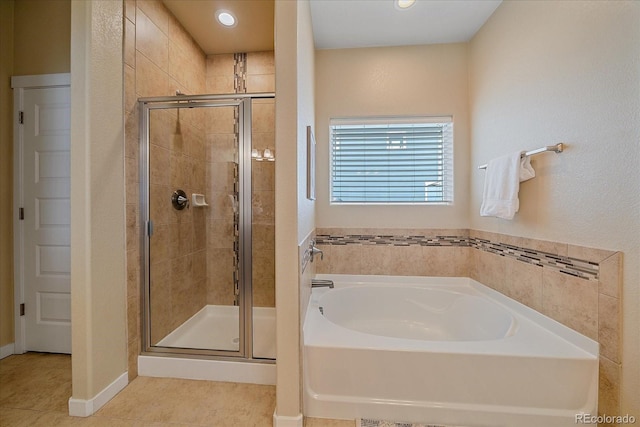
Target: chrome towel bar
(558, 148)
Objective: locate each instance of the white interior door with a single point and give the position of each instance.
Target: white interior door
(45, 178)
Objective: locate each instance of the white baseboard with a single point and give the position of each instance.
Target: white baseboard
(85, 408)
(284, 421)
(7, 350)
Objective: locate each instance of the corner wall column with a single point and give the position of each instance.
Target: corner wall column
(98, 278)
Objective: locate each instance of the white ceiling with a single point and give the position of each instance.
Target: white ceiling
(367, 23)
(336, 23)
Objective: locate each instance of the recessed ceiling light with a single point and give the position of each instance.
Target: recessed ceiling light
(226, 18)
(404, 4)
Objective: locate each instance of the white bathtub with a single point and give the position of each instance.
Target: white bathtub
(446, 351)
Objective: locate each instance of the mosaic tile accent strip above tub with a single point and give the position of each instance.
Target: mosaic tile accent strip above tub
(572, 266)
(366, 239)
(575, 267)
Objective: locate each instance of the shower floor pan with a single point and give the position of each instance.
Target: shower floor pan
(215, 327)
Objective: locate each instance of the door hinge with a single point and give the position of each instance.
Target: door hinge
(22, 309)
(21, 117)
(150, 228)
(21, 214)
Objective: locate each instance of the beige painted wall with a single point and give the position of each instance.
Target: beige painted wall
(306, 112)
(294, 215)
(411, 80)
(6, 173)
(42, 37)
(98, 278)
(545, 72)
(34, 39)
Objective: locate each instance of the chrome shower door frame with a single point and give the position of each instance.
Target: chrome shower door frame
(245, 303)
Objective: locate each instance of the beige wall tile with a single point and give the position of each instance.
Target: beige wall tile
(262, 140)
(408, 261)
(445, 261)
(163, 128)
(323, 266)
(571, 301)
(131, 172)
(263, 176)
(462, 259)
(160, 301)
(220, 65)
(221, 121)
(263, 203)
(261, 83)
(263, 117)
(376, 259)
(132, 139)
(130, 98)
(183, 40)
(151, 41)
(220, 84)
(156, 11)
(589, 254)
(490, 269)
(346, 259)
(260, 63)
(160, 244)
(160, 203)
(184, 70)
(610, 275)
(220, 234)
(542, 245)
(159, 172)
(264, 279)
(130, 10)
(150, 79)
(609, 387)
(133, 317)
(609, 327)
(523, 282)
(129, 43)
(263, 236)
(221, 147)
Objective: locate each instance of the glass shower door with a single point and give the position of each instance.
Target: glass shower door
(195, 297)
(263, 227)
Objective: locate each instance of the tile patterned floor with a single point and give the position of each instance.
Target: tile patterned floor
(35, 389)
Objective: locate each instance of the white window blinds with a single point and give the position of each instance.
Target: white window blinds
(392, 160)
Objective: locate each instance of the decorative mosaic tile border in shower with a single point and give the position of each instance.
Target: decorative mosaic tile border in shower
(240, 72)
(572, 266)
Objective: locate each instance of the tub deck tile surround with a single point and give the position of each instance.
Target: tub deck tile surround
(581, 268)
(577, 286)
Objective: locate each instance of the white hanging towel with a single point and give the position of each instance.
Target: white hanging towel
(502, 183)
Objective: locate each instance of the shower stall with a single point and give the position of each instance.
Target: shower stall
(207, 217)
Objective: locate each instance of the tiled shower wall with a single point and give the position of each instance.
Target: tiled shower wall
(577, 286)
(253, 72)
(161, 57)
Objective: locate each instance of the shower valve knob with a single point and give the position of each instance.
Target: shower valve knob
(179, 200)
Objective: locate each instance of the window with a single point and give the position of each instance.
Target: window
(392, 160)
